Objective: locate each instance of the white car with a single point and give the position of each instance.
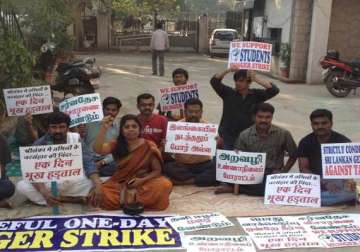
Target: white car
(220, 39)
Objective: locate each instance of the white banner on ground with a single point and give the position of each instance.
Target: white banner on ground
(295, 189)
(46, 163)
(33, 100)
(201, 243)
(240, 168)
(191, 138)
(334, 230)
(173, 98)
(250, 55)
(83, 109)
(198, 222)
(278, 232)
(341, 160)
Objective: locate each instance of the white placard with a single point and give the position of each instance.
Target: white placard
(240, 167)
(294, 189)
(198, 222)
(173, 98)
(201, 243)
(341, 160)
(33, 100)
(250, 55)
(46, 163)
(83, 109)
(191, 138)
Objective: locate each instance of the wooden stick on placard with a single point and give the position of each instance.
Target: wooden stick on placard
(236, 189)
(55, 192)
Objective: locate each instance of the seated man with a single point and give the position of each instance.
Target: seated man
(70, 191)
(153, 127)
(192, 169)
(333, 191)
(105, 164)
(7, 188)
(264, 137)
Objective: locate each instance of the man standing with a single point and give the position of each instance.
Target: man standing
(333, 191)
(159, 44)
(239, 103)
(153, 127)
(187, 168)
(267, 138)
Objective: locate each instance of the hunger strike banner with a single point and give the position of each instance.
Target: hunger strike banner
(33, 100)
(87, 233)
(278, 232)
(250, 55)
(46, 163)
(240, 168)
(173, 98)
(191, 138)
(295, 189)
(83, 109)
(198, 222)
(341, 160)
(201, 243)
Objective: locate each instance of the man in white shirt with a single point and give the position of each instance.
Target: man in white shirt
(159, 44)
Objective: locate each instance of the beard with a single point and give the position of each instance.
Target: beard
(193, 119)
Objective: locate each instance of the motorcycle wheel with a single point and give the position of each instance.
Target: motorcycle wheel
(331, 87)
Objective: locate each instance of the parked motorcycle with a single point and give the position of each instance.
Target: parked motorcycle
(340, 76)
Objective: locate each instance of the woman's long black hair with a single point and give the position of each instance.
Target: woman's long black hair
(121, 149)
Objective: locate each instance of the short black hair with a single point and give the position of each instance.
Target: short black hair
(58, 117)
(144, 97)
(158, 25)
(264, 107)
(112, 100)
(180, 71)
(321, 113)
(240, 74)
(193, 101)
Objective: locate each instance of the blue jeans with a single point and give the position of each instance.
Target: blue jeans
(7, 189)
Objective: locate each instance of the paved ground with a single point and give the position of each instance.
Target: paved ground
(127, 75)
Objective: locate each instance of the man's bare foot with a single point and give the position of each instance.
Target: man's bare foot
(224, 189)
(4, 204)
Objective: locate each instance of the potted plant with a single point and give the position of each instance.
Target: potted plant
(285, 57)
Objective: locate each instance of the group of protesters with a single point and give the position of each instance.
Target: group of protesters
(125, 162)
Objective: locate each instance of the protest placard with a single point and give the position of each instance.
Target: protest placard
(294, 189)
(173, 98)
(250, 55)
(88, 233)
(334, 230)
(278, 232)
(83, 109)
(46, 163)
(199, 222)
(201, 243)
(240, 167)
(33, 100)
(191, 138)
(341, 160)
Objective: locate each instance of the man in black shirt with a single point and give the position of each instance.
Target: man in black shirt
(333, 191)
(6, 187)
(239, 103)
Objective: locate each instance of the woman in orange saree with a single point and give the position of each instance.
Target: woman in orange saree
(138, 175)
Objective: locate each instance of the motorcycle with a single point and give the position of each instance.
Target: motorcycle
(340, 76)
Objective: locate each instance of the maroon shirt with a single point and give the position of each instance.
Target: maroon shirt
(154, 129)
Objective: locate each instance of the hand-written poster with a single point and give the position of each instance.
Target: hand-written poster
(88, 233)
(46, 163)
(250, 55)
(83, 109)
(33, 100)
(173, 98)
(191, 138)
(296, 189)
(240, 167)
(278, 232)
(198, 222)
(201, 243)
(341, 160)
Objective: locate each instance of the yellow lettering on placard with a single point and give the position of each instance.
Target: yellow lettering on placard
(89, 237)
(70, 239)
(109, 238)
(5, 242)
(126, 237)
(142, 237)
(21, 240)
(163, 237)
(42, 239)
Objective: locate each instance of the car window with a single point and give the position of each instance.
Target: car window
(225, 35)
